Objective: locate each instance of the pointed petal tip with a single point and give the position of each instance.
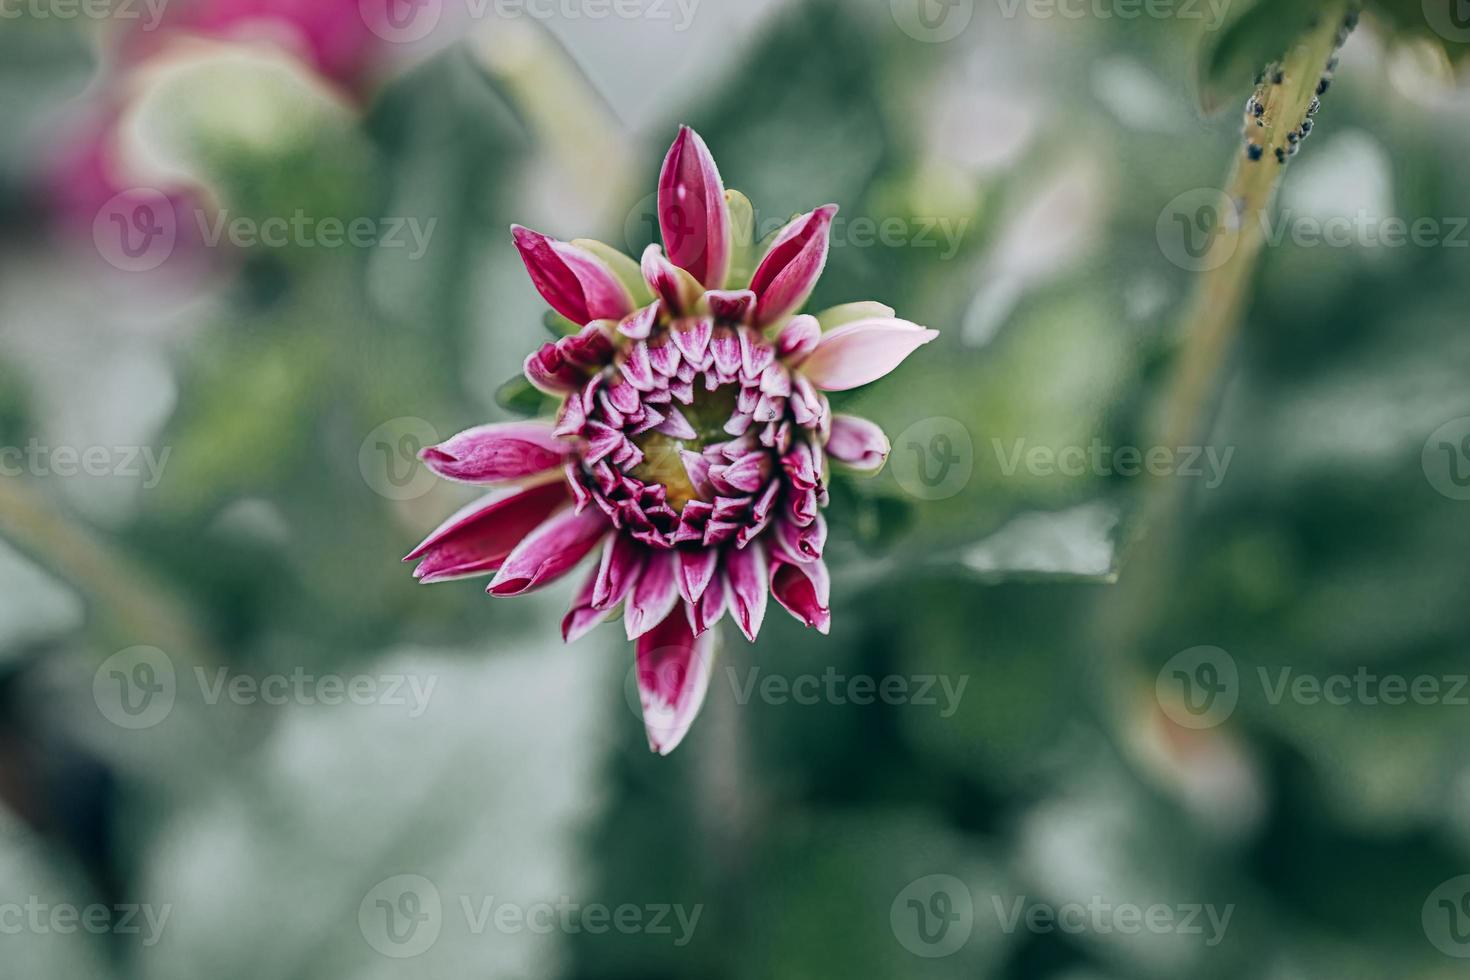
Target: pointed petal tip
(509, 587)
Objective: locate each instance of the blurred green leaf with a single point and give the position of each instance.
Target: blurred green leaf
(520, 397)
(1257, 33)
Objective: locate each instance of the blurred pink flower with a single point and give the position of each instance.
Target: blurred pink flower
(692, 444)
(331, 36)
(84, 167)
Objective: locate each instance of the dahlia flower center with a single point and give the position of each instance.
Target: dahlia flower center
(662, 463)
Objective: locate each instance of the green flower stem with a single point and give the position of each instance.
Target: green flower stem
(1213, 322)
(129, 607)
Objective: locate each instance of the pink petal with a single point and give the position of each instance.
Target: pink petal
(576, 283)
(653, 597)
(711, 607)
(789, 272)
(858, 353)
(638, 325)
(696, 569)
(673, 285)
(730, 306)
(477, 539)
(857, 443)
(692, 213)
(549, 552)
(674, 669)
(798, 339)
(583, 616)
(618, 571)
(804, 590)
(802, 544)
(497, 453)
(746, 570)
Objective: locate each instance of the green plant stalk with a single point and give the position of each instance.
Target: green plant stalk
(1213, 320)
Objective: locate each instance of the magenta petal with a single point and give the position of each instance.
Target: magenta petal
(692, 212)
(549, 552)
(746, 571)
(576, 283)
(477, 539)
(730, 306)
(696, 569)
(583, 616)
(789, 272)
(653, 597)
(617, 572)
(674, 668)
(804, 591)
(497, 453)
(857, 443)
(859, 353)
(711, 607)
(673, 285)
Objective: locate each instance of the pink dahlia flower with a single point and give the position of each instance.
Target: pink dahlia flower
(692, 443)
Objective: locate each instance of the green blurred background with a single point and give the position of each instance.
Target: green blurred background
(1018, 176)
